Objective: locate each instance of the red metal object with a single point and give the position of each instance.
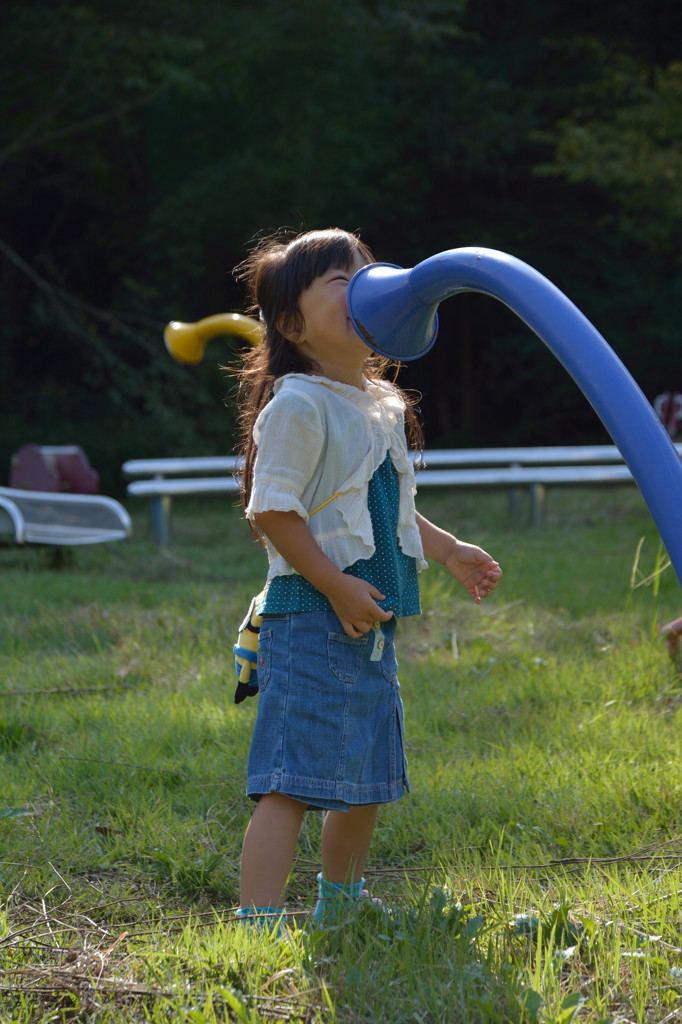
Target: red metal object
(668, 408)
(53, 468)
(672, 633)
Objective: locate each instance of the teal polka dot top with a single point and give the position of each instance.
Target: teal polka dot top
(389, 570)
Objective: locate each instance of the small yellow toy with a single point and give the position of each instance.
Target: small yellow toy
(186, 342)
(246, 652)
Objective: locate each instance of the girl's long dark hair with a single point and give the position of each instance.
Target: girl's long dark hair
(275, 273)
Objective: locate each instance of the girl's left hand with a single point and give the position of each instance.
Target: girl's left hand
(474, 568)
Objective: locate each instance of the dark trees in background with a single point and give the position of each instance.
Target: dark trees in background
(142, 146)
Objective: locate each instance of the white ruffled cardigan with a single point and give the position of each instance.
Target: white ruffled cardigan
(317, 439)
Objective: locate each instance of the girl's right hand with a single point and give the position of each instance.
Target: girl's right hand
(355, 602)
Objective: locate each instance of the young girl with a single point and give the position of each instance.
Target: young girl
(328, 487)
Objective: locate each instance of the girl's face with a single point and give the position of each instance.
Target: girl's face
(328, 336)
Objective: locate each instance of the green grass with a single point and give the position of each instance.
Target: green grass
(533, 872)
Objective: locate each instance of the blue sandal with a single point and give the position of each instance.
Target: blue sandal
(338, 900)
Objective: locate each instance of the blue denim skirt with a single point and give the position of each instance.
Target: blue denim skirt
(329, 730)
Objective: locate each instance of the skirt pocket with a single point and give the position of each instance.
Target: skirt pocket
(264, 658)
(345, 656)
(389, 664)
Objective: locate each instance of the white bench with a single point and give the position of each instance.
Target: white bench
(533, 468)
(44, 517)
(172, 478)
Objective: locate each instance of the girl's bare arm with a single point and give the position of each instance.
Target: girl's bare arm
(473, 567)
(353, 600)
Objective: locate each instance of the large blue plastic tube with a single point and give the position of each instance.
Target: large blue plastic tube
(394, 311)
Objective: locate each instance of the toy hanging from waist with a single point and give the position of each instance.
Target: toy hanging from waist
(246, 652)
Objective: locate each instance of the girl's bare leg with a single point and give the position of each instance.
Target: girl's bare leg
(268, 849)
(346, 838)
